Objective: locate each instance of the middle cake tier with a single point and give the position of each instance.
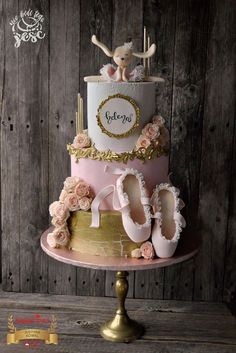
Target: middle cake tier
(155, 171)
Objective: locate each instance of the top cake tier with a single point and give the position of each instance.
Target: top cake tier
(117, 112)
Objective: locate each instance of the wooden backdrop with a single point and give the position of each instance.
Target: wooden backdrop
(38, 86)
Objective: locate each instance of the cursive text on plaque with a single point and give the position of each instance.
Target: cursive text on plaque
(115, 116)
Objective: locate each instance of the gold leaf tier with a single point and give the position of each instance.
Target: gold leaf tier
(110, 239)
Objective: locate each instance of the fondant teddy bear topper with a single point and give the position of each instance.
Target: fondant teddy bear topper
(122, 56)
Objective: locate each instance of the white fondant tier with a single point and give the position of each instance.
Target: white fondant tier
(155, 171)
(143, 93)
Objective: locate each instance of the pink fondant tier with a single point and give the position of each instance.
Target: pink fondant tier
(155, 171)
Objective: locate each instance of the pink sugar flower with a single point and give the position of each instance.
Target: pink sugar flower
(147, 250)
(52, 207)
(143, 142)
(61, 212)
(51, 240)
(72, 202)
(136, 253)
(158, 120)
(70, 184)
(56, 222)
(151, 131)
(61, 236)
(82, 189)
(63, 195)
(81, 141)
(85, 203)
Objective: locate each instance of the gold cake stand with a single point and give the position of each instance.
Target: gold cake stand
(121, 328)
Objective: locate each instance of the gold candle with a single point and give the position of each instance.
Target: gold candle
(78, 115)
(148, 60)
(81, 115)
(76, 123)
(144, 45)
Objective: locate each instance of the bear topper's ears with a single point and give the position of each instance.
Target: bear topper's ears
(107, 51)
(150, 52)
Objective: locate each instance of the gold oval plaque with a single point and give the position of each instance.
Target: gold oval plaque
(118, 116)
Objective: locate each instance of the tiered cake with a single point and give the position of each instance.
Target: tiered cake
(117, 201)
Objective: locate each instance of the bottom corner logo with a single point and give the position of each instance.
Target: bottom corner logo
(49, 336)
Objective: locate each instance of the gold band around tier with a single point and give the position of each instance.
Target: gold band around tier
(92, 153)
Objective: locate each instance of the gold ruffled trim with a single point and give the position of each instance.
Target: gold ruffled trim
(92, 153)
(137, 111)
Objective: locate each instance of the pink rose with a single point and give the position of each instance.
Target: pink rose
(52, 207)
(61, 212)
(63, 195)
(151, 131)
(85, 203)
(164, 137)
(158, 120)
(136, 253)
(61, 236)
(147, 250)
(56, 222)
(51, 240)
(70, 184)
(72, 202)
(82, 189)
(81, 141)
(143, 142)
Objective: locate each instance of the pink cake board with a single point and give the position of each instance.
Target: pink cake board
(187, 248)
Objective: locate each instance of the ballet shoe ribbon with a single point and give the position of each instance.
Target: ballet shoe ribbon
(107, 190)
(157, 216)
(113, 170)
(180, 219)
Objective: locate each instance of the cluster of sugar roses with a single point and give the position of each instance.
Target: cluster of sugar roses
(82, 140)
(154, 134)
(76, 195)
(146, 251)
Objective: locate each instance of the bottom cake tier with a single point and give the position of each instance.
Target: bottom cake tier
(110, 239)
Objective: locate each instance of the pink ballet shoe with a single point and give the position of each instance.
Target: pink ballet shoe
(134, 204)
(168, 220)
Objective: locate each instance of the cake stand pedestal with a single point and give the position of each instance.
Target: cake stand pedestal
(121, 328)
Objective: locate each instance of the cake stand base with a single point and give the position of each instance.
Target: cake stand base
(121, 328)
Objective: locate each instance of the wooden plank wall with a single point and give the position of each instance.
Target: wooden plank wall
(38, 86)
